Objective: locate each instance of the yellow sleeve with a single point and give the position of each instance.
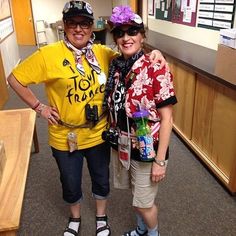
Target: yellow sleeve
(32, 70)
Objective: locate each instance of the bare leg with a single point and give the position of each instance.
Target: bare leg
(101, 207)
(149, 216)
(75, 210)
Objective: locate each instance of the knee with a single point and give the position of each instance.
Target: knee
(143, 211)
(72, 192)
(72, 198)
(101, 190)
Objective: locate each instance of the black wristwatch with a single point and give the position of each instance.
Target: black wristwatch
(161, 162)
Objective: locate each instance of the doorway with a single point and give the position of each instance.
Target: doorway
(24, 22)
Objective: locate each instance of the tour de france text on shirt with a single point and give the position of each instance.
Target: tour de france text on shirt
(84, 88)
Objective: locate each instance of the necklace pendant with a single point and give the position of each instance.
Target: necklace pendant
(80, 68)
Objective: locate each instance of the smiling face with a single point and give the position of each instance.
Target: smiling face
(129, 40)
(78, 30)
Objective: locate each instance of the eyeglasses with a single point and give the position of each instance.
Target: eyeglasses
(132, 31)
(82, 24)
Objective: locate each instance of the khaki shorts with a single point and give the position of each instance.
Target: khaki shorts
(143, 189)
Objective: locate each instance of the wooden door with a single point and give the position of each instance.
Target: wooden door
(134, 5)
(24, 23)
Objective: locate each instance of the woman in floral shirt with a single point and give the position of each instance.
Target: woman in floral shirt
(134, 83)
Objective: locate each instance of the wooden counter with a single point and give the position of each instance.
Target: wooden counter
(16, 131)
(205, 115)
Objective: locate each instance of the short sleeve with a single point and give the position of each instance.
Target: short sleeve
(163, 88)
(32, 70)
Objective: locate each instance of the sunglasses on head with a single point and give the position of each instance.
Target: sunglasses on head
(131, 31)
(79, 5)
(72, 24)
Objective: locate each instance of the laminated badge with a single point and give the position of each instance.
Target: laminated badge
(72, 141)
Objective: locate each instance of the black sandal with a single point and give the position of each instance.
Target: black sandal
(103, 228)
(136, 231)
(72, 231)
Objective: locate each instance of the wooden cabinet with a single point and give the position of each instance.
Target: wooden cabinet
(214, 128)
(184, 83)
(205, 118)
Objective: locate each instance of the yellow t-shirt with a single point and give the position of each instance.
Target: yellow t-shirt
(67, 90)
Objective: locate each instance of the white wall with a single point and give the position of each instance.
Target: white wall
(10, 53)
(200, 36)
(119, 2)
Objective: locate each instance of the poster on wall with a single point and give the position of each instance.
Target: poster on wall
(6, 24)
(178, 11)
(184, 12)
(163, 9)
(216, 14)
(151, 7)
(6, 28)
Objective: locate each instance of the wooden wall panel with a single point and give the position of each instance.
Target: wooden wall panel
(184, 83)
(214, 123)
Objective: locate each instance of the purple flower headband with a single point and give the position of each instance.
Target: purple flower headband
(124, 14)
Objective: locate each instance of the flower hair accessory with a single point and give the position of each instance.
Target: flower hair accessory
(122, 15)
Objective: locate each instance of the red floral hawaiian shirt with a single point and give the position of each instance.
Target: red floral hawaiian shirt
(150, 88)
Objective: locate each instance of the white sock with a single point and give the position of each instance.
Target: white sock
(74, 226)
(142, 228)
(153, 232)
(101, 223)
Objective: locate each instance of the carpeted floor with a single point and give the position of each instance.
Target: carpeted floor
(191, 200)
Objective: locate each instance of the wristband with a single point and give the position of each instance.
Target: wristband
(36, 105)
(40, 108)
(161, 163)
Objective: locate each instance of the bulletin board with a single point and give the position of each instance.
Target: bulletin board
(178, 11)
(211, 14)
(163, 9)
(216, 14)
(184, 12)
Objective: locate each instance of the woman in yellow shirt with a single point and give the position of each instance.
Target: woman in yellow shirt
(74, 72)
